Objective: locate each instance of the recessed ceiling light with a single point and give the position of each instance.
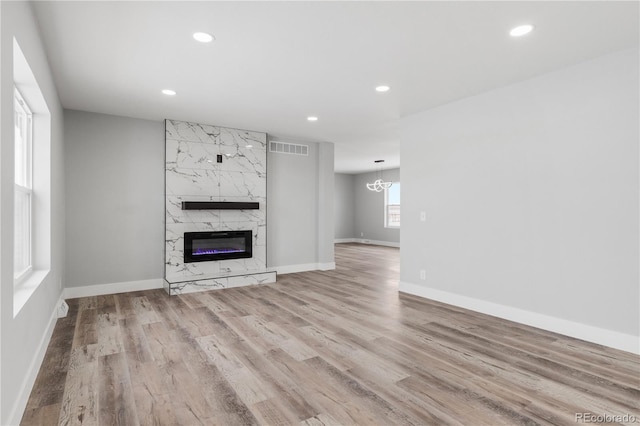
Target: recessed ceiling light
(169, 92)
(249, 146)
(382, 88)
(521, 30)
(228, 155)
(203, 37)
(312, 118)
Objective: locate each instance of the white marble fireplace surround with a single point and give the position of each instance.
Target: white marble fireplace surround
(193, 174)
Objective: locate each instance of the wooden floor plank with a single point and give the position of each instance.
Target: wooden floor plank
(318, 348)
(116, 404)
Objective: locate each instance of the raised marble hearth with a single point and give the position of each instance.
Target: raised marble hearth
(192, 286)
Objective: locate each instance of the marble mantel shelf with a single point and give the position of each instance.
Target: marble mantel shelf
(220, 205)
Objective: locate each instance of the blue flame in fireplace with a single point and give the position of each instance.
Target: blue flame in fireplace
(200, 252)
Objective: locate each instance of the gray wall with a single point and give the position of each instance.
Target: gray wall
(299, 208)
(325, 227)
(344, 206)
(531, 195)
(24, 337)
(115, 198)
(369, 209)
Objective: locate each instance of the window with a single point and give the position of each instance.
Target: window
(23, 123)
(32, 183)
(392, 206)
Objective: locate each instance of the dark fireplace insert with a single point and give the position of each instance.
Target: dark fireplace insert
(206, 246)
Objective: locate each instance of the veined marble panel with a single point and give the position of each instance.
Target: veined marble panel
(260, 238)
(193, 286)
(176, 268)
(242, 138)
(192, 182)
(192, 155)
(240, 184)
(198, 182)
(238, 159)
(194, 132)
(254, 216)
(198, 155)
(234, 266)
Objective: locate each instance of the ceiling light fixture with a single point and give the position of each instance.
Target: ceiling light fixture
(249, 146)
(169, 92)
(382, 88)
(312, 118)
(521, 30)
(203, 37)
(379, 184)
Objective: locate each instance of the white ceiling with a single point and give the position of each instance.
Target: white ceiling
(274, 63)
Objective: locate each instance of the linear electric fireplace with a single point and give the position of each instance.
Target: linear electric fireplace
(205, 246)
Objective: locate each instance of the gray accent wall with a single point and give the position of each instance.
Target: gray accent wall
(115, 198)
(531, 195)
(300, 211)
(344, 206)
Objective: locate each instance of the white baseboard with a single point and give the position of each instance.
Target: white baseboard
(378, 243)
(305, 267)
(329, 266)
(102, 289)
(32, 373)
(601, 336)
(366, 241)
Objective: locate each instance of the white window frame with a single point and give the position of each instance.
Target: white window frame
(386, 208)
(24, 188)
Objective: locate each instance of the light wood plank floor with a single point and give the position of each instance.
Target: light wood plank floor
(319, 348)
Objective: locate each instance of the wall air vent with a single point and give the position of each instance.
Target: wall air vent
(288, 148)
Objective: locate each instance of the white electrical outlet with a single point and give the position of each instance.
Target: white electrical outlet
(423, 216)
(362, 234)
(423, 274)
